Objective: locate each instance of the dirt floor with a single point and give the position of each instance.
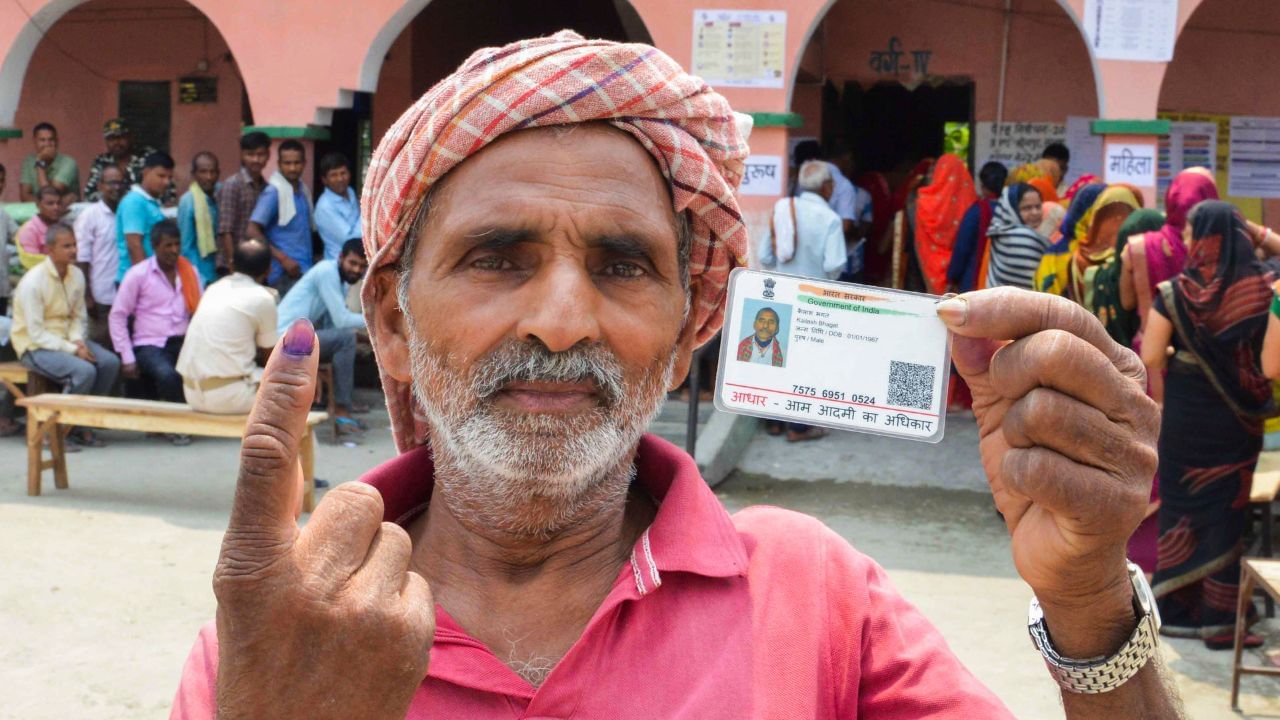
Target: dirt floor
(105, 584)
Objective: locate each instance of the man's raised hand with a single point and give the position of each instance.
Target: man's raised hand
(326, 621)
(1068, 435)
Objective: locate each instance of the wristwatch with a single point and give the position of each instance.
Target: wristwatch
(1095, 675)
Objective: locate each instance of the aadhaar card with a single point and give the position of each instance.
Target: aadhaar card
(843, 356)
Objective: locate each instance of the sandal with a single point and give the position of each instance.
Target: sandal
(1227, 641)
(349, 426)
(86, 438)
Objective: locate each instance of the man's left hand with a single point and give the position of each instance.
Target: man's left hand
(1068, 436)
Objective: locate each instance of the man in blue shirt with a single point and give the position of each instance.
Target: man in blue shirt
(321, 297)
(282, 218)
(140, 210)
(337, 210)
(198, 216)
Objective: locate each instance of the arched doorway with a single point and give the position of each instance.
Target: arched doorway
(1202, 84)
(885, 77)
(161, 64)
(446, 32)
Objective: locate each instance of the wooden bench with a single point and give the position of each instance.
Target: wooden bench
(1265, 574)
(51, 416)
(1266, 485)
(14, 373)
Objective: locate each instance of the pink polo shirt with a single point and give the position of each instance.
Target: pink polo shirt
(763, 614)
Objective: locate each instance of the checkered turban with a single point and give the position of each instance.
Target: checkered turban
(687, 127)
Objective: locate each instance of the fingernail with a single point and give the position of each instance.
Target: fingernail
(954, 311)
(299, 338)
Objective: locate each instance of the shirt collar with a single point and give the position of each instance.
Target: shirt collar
(692, 532)
(811, 195)
(104, 207)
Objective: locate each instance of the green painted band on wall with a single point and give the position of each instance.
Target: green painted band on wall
(10, 133)
(1130, 127)
(290, 132)
(776, 119)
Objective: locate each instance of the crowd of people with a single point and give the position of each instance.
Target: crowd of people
(1191, 288)
(123, 286)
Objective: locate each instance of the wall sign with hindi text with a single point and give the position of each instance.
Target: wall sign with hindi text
(895, 61)
(1131, 164)
(762, 176)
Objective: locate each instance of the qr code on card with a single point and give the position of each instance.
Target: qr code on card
(911, 385)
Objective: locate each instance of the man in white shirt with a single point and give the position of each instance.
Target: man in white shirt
(97, 253)
(230, 336)
(850, 202)
(805, 235)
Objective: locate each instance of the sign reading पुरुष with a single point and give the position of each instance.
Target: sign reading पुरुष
(1139, 30)
(740, 48)
(1131, 164)
(762, 176)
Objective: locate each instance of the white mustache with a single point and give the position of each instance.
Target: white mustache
(518, 361)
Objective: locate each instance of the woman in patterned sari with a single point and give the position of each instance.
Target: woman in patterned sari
(1158, 256)
(1214, 315)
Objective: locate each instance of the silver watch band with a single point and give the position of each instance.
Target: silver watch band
(1103, 674)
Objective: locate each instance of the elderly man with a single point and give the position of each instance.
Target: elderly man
(198, 216)
(544, 264)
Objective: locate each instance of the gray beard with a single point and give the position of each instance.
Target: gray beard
(524, 474)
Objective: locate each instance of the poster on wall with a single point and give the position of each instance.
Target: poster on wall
(740, 48)
(1188, 145)
(1141, 30)
(1254, 164)
(762, 175)
(1250, 207)
(1085, 147)
(1131, 164)
(1014, 143)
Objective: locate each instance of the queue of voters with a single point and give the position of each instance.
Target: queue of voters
(111, 287)
(382, 401)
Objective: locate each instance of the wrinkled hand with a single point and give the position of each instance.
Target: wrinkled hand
(322, 622)
(1068, 435)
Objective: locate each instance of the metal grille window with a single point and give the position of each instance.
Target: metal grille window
(145, 105)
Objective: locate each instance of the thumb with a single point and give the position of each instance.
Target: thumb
(263, 509)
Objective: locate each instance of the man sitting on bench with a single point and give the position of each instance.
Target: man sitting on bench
(158, 295)
(321, 297)
(231, 335)
(50, 322)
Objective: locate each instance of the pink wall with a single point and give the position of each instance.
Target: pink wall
(1049, 72)
(145, 40)
(395, 86)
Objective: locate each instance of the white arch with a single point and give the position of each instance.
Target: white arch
(14, 69)
(1066, 7)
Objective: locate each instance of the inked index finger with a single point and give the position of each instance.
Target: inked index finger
(1008, 313)
(265, 489)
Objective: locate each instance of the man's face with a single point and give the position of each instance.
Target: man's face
(766, 325)
(553, 258)
(46, 143)
(111, 185)
(155, 180)
(61, 248)
(166, 248)
(338, 180)
(255, 160)
(118, 145)
(352, 266)
(292, 164)
(206, 173)
(49, 206)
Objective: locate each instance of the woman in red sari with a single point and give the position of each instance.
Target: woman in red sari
(940, 205)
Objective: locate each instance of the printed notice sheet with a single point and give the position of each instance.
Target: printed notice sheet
(740, 48)
(834, 354)
(1255, 157)
(1142, 30)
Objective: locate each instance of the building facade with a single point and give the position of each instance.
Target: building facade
(193, 75)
